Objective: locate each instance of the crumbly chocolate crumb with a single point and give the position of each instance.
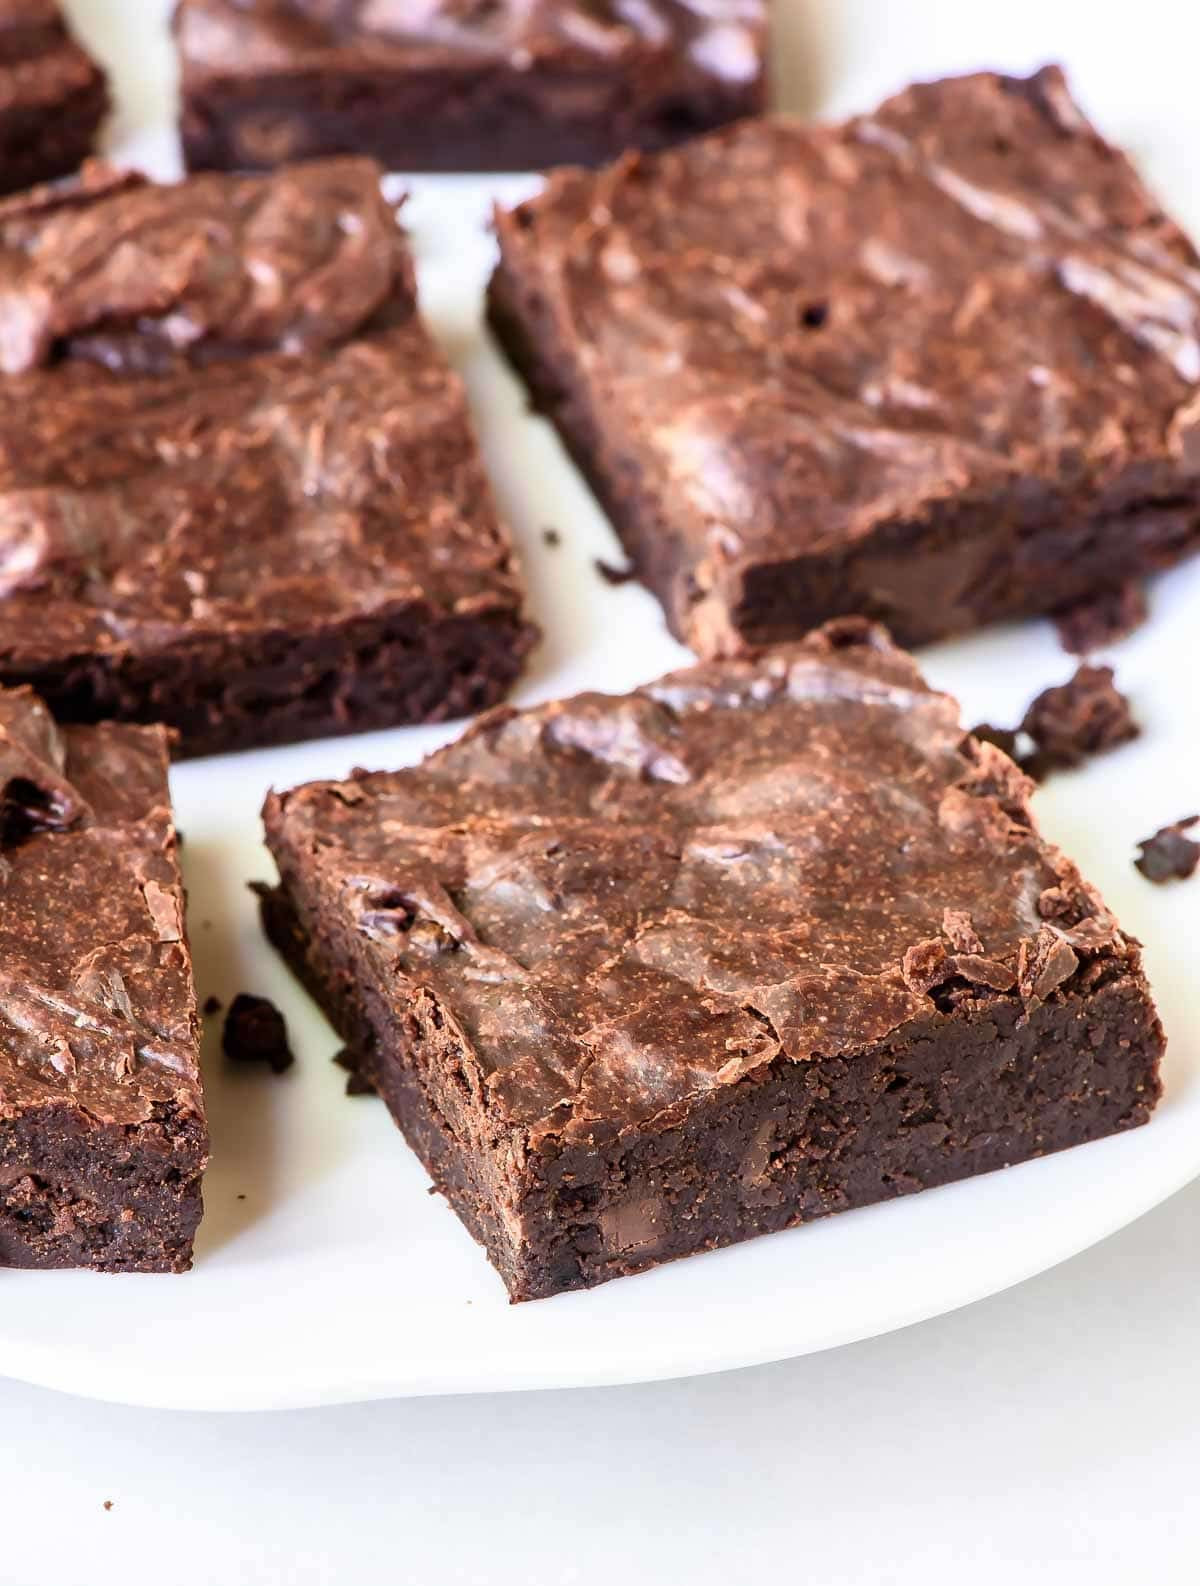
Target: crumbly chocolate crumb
(960, 932)
(1077, 719)
(926, 964)
(1103, 619)
(999, 737)
(1043, 964)
(551, 537)
(255, 1032)
(108, 1503)
(1169, 855)
(211, 1005)
(615, 575)
(357, 1084)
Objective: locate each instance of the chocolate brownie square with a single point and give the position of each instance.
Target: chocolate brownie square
(768, 939)
(239, 492)
(461, 85)
(102, 1132)
(53, 96)
(939, 365)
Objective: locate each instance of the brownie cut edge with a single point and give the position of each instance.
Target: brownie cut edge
(916, 366)
(103, 1138)
(643, 976)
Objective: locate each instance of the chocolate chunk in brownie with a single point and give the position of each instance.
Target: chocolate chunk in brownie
(1170, 855)
(1103, 619)
(1077, 719)
(256, 1032)
(489, 85)
(939, 365)
(239, 492)
(102, 1130)
(53, 96)
(639, 976)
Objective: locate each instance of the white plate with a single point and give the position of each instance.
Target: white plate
(324, 1270)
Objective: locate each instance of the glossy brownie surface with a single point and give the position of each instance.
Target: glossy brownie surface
(834, 355)
(627, 908)
(102, 1134)
(223, 423)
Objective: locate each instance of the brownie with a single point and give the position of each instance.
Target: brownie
(937, 365)
(239, 492)
(483, 85)
(640, 976)
(53, 96)
(102, 1132)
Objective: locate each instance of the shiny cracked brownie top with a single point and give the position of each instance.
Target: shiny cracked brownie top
(722, 39)
(219, 408)
(96, 1002)
(800, 333)
(621, 903)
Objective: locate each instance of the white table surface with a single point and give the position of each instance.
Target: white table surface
(1051, 1434)
(1047, 1437)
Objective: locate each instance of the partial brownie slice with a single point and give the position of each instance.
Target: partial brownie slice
(102, 1132)
(938, 365)
(485, 85)
(765, 940)
(239, 492)
(53, 96)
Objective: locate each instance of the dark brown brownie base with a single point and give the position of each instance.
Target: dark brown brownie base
(42, 144)
(443, 121)
(227, 693)
(1014, 560)
(966, 1091)
(112, 1198)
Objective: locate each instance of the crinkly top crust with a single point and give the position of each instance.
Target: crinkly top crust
(621, 903)
(720, 39)
(97, 1008)
(802, 332)
(221, 405)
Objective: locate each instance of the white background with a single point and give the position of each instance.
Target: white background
(1050, 1434)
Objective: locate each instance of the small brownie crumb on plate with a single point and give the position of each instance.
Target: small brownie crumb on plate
(53, 96)
(1103, 619)
(103, 1138)
(212, 1005)
(614, 575)
(256, 1032)
(503, 85)
(1170, 855)
(1074, 720)
(640, 976)
(903, 366)
(239, 491)
(357, 1083)
(1066, 724)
